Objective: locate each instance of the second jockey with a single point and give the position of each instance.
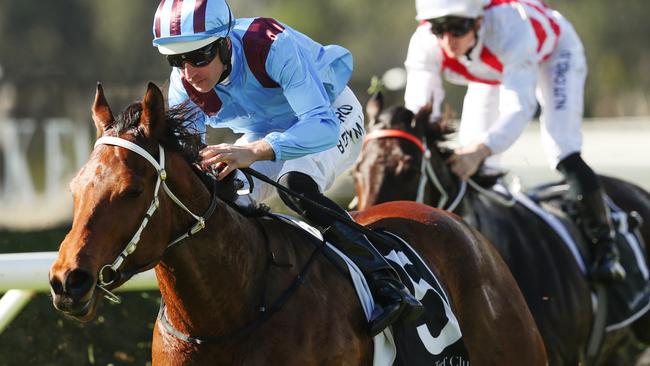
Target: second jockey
(512, 54)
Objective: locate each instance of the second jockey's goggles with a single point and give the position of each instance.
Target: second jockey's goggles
(198, 58)
(456, 26)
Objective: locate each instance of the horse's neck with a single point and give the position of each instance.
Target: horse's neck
(467, 208)
(214, 270)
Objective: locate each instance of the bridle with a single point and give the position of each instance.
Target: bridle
(427, 173)
(109, 274)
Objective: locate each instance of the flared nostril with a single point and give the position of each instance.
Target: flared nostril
(56, 286)
(78, 283)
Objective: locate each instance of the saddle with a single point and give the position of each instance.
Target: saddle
(432, 338)
(628, 299)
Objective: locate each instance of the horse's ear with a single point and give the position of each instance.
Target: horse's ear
(421, 120)
(374, 107)
(153, 112)
(102, 115)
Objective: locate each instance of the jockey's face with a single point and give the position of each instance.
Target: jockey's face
(456, 45)
(203, 78)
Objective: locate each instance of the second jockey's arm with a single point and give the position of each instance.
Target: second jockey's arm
(230, 157)
(466, 160)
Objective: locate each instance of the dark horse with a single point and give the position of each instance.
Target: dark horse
(394, 159)
(213, 281)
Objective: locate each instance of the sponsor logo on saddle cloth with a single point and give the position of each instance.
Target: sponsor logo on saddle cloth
(433, 339)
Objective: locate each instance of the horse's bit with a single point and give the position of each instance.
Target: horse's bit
(113, 268)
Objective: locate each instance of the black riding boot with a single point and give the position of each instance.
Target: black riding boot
(593, 218)
(597, 225)
(394, 301)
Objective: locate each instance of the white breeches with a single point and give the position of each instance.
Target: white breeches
(324, 167)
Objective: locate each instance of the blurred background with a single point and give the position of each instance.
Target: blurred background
(52, 53)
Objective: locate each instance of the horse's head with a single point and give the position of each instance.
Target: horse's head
(391, 164)
(115, 195)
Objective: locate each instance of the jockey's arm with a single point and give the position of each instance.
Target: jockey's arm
(517, 105)
(423, 73)
(316, 128)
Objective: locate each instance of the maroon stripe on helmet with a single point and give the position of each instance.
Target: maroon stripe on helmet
(199, 15)
(257, 43)
(175, 18)
(209, 102)
(157, 20)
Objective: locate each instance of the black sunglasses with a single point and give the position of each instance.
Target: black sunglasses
(456, 26)
(197, 58)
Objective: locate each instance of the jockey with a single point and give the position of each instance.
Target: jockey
(301, 124)
(511, 54)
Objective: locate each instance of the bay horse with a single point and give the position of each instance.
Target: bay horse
(217, 277)
(404, 158)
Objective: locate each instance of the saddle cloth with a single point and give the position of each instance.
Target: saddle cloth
(434, 338)
(627, 300)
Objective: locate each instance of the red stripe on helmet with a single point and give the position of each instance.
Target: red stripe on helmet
(175, 18)
(209, 102)
(257, 43)
(199, 15)
(157, 20)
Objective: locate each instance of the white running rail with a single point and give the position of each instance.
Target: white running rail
(22, 275)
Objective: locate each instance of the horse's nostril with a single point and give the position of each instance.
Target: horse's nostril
(56, 286)
(78, 283)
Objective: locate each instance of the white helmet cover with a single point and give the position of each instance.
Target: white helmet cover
(432, 9)
(183, 26)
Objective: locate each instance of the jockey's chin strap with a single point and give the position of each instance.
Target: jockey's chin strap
(428, 174)
(109, 274)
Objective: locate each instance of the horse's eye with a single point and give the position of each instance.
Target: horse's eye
(133, 192)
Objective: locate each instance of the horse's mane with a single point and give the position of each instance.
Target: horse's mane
(180, 134)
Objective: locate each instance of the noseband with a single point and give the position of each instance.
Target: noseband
(109, 273)
(427, 173)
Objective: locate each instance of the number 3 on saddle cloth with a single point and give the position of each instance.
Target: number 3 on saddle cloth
(433, 338)
(627, 300)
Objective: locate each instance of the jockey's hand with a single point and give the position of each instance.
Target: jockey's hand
(466, 160)
(227, 157)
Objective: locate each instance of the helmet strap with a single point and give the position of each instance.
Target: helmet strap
(225, 54)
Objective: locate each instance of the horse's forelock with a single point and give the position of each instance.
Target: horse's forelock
(179, 135)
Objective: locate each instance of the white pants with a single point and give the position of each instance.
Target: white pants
(560, 93)
(324, 167)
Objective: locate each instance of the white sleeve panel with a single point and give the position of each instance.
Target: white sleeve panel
(423, 66)
(517, 106)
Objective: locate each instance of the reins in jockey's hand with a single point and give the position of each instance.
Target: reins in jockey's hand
(337, 216)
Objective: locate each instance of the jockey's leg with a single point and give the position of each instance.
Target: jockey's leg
(392, 297)
(594, 218)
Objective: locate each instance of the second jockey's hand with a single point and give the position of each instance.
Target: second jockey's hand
(466, 160)
(227, 157)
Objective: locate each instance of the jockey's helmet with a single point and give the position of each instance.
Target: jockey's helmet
(432, 9)
(184, 26)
